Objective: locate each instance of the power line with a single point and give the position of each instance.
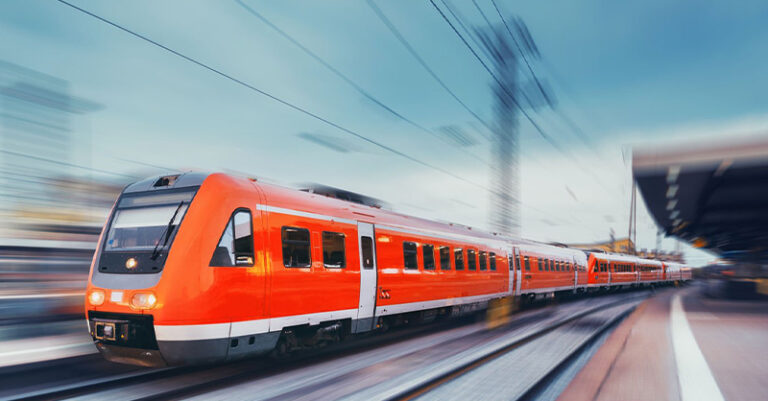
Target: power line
(345, 78)
(576, 129)
(504, 88)
(333, 69)
(38, 158)
(273, 97)
(456, 14)
(512, 98)
(421, 61)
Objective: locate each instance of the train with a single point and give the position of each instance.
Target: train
(198, 268)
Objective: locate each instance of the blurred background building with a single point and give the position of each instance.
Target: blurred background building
(51, 209)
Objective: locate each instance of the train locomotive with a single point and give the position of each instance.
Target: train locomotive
(199, 268)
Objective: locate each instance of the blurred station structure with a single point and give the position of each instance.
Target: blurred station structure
(714, 197)
(51, 207)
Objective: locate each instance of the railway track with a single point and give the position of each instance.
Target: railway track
(412, 363)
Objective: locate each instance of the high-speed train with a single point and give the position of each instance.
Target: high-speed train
(200, 268)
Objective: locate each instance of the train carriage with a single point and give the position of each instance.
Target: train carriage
(672, 272)
(650, 271)
(551, 269)
(623, 270)
(200, 268)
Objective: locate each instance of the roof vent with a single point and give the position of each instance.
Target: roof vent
(166, 181)
(345, 195)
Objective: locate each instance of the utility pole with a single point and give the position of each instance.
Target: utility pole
(505, 51)
(632, 235)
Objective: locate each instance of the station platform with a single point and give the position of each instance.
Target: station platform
(681, 345)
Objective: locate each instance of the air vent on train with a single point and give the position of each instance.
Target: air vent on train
(166, 181)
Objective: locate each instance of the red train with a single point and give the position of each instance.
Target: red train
(199, 268)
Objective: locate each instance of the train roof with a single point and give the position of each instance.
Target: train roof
(325, 202)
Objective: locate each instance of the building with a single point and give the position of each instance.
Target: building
(625, 245)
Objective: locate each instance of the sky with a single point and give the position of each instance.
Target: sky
(627, 74)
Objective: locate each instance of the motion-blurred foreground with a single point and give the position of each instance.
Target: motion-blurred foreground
(51, 210)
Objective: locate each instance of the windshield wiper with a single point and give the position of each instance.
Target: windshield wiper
(167, 233)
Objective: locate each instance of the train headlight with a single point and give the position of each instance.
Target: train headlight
(96, 297)
(131, 263)
(143, 300)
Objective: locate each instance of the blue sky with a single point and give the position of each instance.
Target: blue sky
(626, 73)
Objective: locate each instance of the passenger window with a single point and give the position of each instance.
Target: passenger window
(471, 259)
(445, 258)
(483, 260)
(492, 260)
(409, 255)
(366, 243)
(235, 246)
(428, 252)
(458, 258)
(528, 264)
(333, 250)
(296, 247)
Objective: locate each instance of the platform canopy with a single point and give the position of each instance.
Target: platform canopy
(712, 195)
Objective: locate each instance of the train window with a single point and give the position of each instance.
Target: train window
(528, 264)
(471, 259)
(333, 250)
(296, 247)
(409, 255)
(428, 252)
(558, 266)
(445, 258)
(492, 259)
(366, 243)
(235, 246)
(551, 265)
(458, 258)
(483, 260)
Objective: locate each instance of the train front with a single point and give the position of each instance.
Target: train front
(149, 270)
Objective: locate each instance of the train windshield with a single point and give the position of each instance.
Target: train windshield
(147, 222)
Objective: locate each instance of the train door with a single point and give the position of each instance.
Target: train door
(575, 266)
(367, 305)
(512, 277)
(518, 271)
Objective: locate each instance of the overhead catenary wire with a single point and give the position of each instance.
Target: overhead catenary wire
(568, 121)
(273, 97)
(538, 128)
(346, 79)
(393, 29)
(66, 164)
(498, 81)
